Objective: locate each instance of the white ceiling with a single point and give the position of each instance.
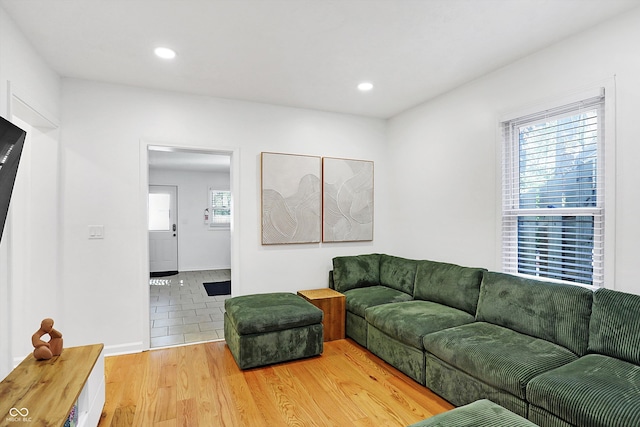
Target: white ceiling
(301, 53)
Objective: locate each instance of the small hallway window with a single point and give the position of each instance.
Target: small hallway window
(220, 205)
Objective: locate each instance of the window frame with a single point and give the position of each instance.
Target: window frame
(213, 225)
(605, 195)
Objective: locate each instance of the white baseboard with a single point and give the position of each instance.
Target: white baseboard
(206, 269)
(127, 348)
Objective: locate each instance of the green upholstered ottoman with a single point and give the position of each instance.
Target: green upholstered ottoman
(479, 413)
(270, 328)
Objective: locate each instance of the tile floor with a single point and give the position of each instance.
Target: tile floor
(181, 312)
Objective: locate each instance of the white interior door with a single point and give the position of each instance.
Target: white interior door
(163, 231)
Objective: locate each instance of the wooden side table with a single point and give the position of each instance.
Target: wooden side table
(43, 392)
(333, 304)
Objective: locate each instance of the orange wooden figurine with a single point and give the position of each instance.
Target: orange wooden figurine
(46, 350)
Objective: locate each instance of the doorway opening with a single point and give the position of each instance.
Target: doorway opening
(188, 246)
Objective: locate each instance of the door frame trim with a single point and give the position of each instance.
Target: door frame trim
(143, 218)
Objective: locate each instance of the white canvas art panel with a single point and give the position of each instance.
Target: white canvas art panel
(291, 198)
(347, 200)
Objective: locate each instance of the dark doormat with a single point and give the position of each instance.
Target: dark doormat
(218, 288)
(163, 273)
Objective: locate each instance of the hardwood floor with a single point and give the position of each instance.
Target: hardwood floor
(201, 385)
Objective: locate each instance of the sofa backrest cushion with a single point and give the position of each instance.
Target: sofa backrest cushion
(358, 271)
(448, 284)
(398, 273)
(553, 312)
(615, 325)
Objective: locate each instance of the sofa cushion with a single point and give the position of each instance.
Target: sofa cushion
(448, 284)
(553, 312)
(259, 313)
(497, 356)
(595, 390)
(359, 299)
(398, 273)
(610, 331)
(409, 321)
(479, 413)
(358, 271)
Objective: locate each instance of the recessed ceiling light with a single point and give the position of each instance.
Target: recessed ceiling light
(165, 53)
(365, 86)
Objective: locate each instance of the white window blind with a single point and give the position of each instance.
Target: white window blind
(553, 201)
(220, 202)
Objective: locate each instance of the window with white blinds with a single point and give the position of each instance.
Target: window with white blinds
(220, 202)
(553, 201)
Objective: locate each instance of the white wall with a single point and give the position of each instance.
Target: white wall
(29, 253)
(446, 152)
(200, 247)
(32, 234)
(30, 76)
(102, 128)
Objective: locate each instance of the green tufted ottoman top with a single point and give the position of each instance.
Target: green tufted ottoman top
(259, 313)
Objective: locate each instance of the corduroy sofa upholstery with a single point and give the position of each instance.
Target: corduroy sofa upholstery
(481, 413)
(263, 329)
(601, 388)
(445, 295)
(523, 328)
(370, 280)
(558, 355)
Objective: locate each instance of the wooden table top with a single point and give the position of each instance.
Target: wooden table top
(42, 392)
(320, 293)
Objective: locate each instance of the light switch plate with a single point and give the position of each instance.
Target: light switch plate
(96, 232)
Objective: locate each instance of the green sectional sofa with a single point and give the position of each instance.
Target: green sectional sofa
(601, 388)
(523, 328)
(396, 330)
(370, 280)
(556, 354)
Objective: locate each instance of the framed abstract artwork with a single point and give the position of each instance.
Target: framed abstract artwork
(347, 192)
(291, 198)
